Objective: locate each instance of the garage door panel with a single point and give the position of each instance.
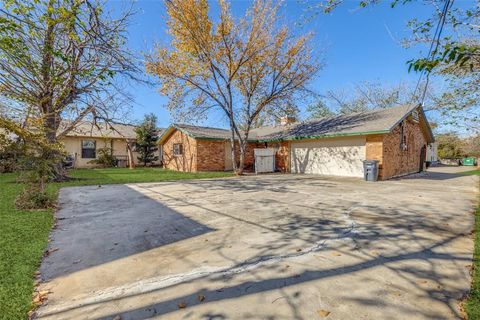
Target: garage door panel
(342, 157)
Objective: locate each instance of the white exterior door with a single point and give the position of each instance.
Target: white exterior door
(331, 156)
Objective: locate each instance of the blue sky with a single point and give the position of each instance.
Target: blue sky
(356, 44)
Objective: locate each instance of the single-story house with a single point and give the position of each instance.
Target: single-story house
(396, 137)
(83, 142)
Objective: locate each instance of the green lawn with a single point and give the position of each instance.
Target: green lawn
(472, 172)
(24, 234)
(472, 304)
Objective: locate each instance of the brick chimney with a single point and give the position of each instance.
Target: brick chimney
(286, 120)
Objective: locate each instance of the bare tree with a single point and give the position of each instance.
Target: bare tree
(61, 60)
(242, 67)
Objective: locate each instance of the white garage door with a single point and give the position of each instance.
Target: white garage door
(336, 156)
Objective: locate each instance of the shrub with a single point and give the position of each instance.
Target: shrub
(105, 158)
(34, 198)
(10, 152)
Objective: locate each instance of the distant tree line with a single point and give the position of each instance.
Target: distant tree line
(452, 146)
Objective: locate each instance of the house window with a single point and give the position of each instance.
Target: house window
(89, 149)
(177, 149)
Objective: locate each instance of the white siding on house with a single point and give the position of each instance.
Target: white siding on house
(330, 156)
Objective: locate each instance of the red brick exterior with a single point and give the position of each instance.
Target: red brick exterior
(396, 161)
(210, 155)
(249, 154)
(393, 161)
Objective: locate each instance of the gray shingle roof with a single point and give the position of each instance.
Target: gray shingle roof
(361, 123)
(204, 132)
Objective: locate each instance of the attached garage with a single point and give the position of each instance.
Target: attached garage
(331, 156)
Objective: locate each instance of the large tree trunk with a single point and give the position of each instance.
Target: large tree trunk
(131, 161)
(50, 127)
(234, 152)
(241, 163)
(51, 119)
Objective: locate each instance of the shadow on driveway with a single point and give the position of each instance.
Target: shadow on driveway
(102, 224)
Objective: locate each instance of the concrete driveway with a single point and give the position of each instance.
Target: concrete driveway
(263, 247)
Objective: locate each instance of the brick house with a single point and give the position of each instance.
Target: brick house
(397, 137)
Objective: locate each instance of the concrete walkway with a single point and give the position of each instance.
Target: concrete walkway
(263, 247)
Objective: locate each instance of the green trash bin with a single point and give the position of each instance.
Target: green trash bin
(468, 161)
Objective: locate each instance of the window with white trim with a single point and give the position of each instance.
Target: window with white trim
(89, 149)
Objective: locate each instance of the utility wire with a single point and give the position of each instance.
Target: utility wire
(433, 49)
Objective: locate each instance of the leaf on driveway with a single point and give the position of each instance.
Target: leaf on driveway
(182, 305)
(48, 252)
(201, 297)
(323, 313)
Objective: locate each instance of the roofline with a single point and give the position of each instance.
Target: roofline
(404, 116)
(333, 135)
(98, 137)
(359, 133)
(430, 132)
(174, 126)
(431, 137)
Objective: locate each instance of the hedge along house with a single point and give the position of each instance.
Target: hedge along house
(396, 137)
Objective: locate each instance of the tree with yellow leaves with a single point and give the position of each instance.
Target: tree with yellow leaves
(242, 67)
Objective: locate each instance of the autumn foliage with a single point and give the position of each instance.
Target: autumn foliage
(242, 67)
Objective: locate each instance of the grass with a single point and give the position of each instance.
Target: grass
(475, 172)
(24, 234)
(472, 304)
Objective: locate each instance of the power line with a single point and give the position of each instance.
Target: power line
(433, 49)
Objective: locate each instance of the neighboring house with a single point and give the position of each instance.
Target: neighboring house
(84, 141)
(396, 137)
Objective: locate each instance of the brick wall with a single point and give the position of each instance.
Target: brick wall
(396, 161)
(211, 155)
(185, 162)
(249, 154)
